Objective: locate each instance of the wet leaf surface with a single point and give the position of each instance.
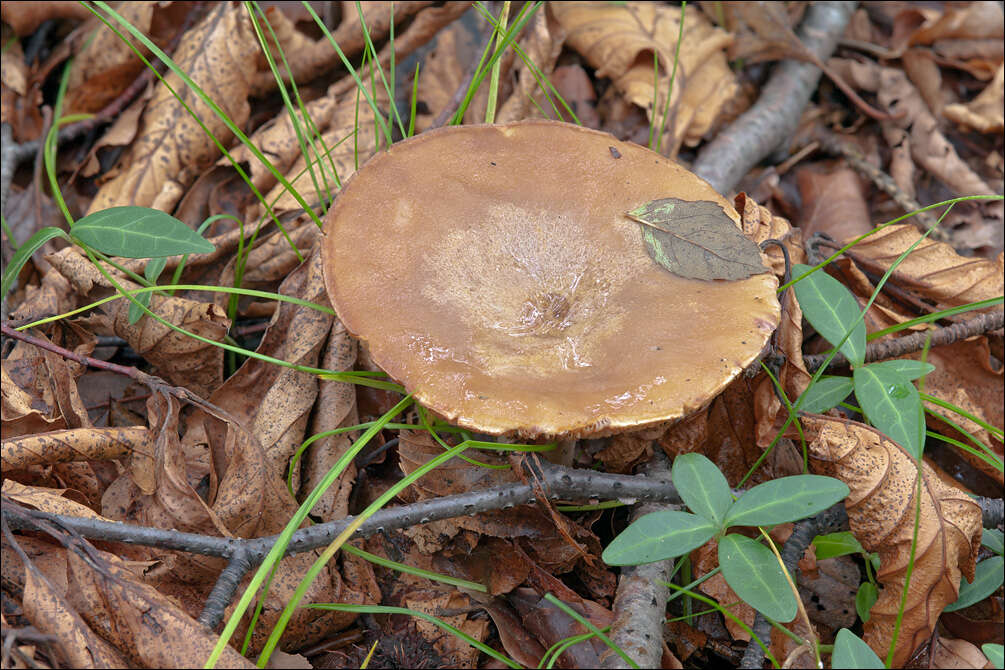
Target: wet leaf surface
(696, 239)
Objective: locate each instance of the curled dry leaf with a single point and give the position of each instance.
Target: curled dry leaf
(542, 44)
(619, 41)
(46, 607)
(172, 149)
(913, 124)
(456, 653)
(26, 17)
(106, 65)
(275, 402)
(53, 501)
(984, 113)
(833, 203)
(179, 358)
(934, 270)
(80, 444)
(882, 479)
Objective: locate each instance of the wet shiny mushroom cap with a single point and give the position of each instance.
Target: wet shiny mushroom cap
(492, 271)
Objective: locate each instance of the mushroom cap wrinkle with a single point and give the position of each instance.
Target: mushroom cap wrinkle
(492, 271)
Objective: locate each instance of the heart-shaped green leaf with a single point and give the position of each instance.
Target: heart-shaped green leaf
(697, 239)
(786, 499)
(905, 367)
(753, 572)
(831, 308)
(826, 394)
(702, 487)
(659, 536)
(989, 576)
(891, 403)
(832, 545)
(138, 232)
(851, 652)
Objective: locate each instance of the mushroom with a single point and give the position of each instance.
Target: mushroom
(493, 272)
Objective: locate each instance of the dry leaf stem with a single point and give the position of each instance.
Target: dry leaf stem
(773, 118)
(882, 350)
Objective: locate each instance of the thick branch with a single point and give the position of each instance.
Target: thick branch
(641, 601)
(774, 117)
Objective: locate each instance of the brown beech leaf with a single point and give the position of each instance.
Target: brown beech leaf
(145, 624)
(833, 203)
(456, 653)
(913, 125)
(53, 501)
(984, 113)
(882, 479)
(79, 444)
(619, 41)
(933, 270)
(179, 358)
(172, 149)
(964, 377)
(542, 44)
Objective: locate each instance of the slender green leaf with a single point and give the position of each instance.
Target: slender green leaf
(702, 487)
(891, 403)
(989, 576)
(658, 536)
(995, 654)
(994, 540)
(138, 232)
(24, 252)
(905, 367)
(826, 394)
(866, 597)
(832, 545)
(831, 308)
(851, 652)
(754, 574)
(786, 499)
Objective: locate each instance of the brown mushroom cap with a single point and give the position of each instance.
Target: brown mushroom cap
(493, 272)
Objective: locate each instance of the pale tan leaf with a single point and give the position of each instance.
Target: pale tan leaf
(179, 358)
(172, 149)
(984, 113)
(881, 513)
(620, 42)
(48, 500)
(933, 270)
(80, 444)
(542, 44)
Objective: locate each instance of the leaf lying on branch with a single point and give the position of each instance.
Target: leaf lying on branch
(882, 479)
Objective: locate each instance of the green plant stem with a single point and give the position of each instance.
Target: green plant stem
(490, 110)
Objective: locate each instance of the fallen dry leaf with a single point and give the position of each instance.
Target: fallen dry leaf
(964, 377)
(984, 113)
(619, 41)
(882, 479)
(456, 653)
(833, 203)
(26, 17)
(913, 124)
(80, 444)
(179, 358)
(953, 653)
(172, 149)
(933, 270)
(542, 45)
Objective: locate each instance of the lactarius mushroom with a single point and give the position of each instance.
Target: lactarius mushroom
(493, 271)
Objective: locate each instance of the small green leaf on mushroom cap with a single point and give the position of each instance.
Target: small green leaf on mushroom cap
(696, 239)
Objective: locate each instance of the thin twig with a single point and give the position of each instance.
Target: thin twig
(829, 521)
(774, 117)
(879, 351)
(833, 144)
